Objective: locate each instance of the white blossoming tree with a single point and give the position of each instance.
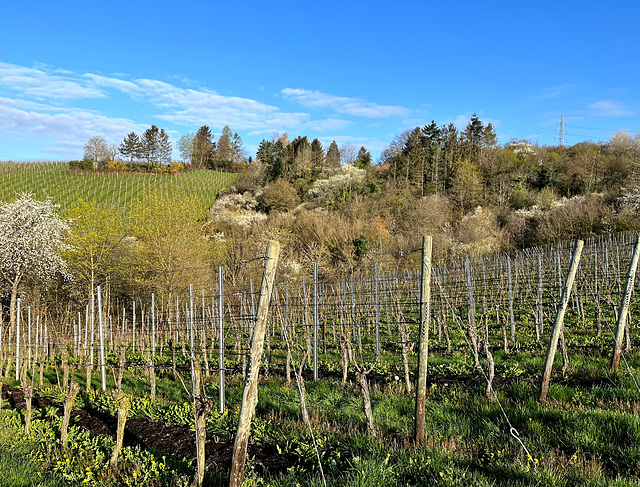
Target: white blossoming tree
(31, 242)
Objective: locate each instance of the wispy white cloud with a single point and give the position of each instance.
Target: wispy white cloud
(111, 82)
(46, 101)
(193, 107)
(49, 107)
(59, 131)
(610, 108)
(341, 104)
(184, 106)
(40, 84)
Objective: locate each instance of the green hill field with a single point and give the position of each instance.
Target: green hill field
(118, 189)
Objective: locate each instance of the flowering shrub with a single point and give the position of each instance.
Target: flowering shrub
(339, 187)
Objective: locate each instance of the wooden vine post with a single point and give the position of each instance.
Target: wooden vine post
(423, 345)
(250, 393)
(559, 322)
(623, 311)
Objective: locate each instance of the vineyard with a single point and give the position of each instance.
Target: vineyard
(118, 190)
(338, 378)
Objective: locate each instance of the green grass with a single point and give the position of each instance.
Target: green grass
(587, 434)
(117, 190)
(17, 469)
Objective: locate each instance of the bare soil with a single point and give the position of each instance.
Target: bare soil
(162, 438)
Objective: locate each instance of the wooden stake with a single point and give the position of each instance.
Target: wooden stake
(558, 324)
(423, 346)
(623, 311)
(250, 393)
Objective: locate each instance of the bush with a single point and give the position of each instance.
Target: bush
(578, 217)
(83, 165)
(252, 178)
(361, 246)
(280, 196)
(478, 233)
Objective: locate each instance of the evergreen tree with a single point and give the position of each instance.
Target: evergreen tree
(288, 160)
(151, 145)
(489, 137)
(364, 158)
(224, 154)
(433, 151)
(451, 151)
(302, 166)
(130, 146)
(332, 160)
(473, 138)
(165, 149)
(317, 157)
(237, 148)
(270, 154)
(413, 152)
(203, 148)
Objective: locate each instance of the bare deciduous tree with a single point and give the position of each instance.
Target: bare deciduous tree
(97, 150)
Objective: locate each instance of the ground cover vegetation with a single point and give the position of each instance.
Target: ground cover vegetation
(336, 399)
(321, 336)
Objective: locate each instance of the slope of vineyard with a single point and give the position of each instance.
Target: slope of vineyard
(117, 190)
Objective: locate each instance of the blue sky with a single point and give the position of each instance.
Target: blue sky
(355, 72)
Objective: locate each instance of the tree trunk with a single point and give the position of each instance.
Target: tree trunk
(366, 400)
(27, 390)
(121, 363)
(69, 396)
(201, 406)
(12, 306)
(65, 369)
(123, 407)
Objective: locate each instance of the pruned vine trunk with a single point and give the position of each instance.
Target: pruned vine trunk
(123, 403)
(70, 394)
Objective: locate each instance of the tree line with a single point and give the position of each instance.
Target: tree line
(202, 151)
(153, 147)
(198, 149)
